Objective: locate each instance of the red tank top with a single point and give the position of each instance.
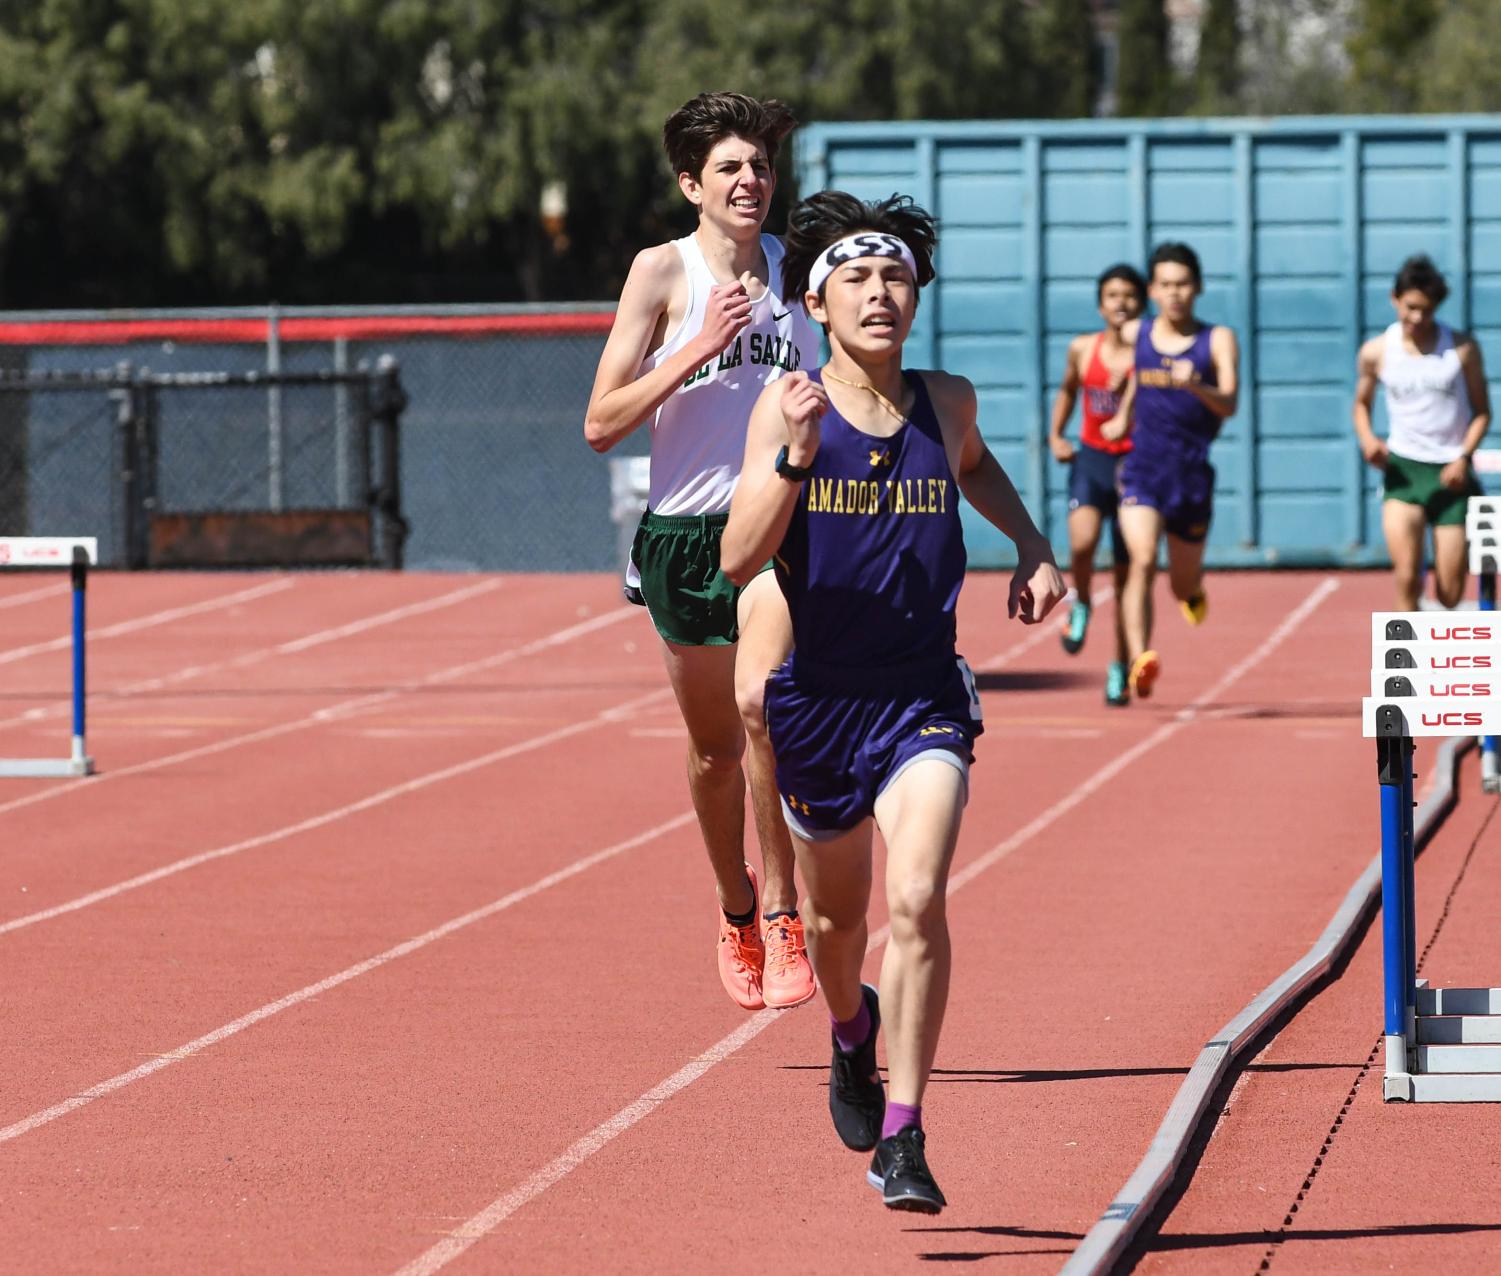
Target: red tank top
(1100, 403)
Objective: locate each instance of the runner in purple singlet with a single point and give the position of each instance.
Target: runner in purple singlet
(1184, 385)
(851, 480)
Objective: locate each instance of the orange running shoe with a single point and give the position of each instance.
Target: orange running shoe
(787, 979)
(1144, 671)
(742, 954)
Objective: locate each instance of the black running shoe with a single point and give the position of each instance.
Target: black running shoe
(857, 1100)
(899, 1171)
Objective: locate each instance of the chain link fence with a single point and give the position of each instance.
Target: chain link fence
(206, 469)
(494, 471)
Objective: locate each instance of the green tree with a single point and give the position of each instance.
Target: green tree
(1217, 69)
(1144, 82)
(1388, 52)
(1066, 58)
(1461, 72)
(216, 151)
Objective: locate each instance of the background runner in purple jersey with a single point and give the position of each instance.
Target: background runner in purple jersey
(1184, 386)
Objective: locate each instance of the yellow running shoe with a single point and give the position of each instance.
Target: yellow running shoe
(1196, 609)
(742, 954)
(787, 977)
(1144, 671)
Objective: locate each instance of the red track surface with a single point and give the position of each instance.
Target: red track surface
(219, 1062)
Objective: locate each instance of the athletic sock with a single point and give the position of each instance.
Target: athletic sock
(850, 1034)
(898, 1117)
(789, 913)
(741, 919)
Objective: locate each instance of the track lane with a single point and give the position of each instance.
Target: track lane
(546, 931)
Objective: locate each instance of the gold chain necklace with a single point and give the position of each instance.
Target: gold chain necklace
(866, 385)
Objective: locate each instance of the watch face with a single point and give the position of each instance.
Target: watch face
(795, 472)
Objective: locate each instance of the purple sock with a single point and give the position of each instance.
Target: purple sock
(898, 1117)
(851, 1033)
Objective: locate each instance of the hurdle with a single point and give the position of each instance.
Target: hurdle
(1431, 676)
(1483, 541)
(77, 553)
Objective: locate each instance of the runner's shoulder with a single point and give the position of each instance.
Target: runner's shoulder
(952, 395)
(1370, 352)
(655, 271)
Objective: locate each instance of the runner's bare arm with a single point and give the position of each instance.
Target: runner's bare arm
(1064, 400)
(1119, 426)
(1473, 363)
(1035, 585)
(1367, 373)
(624, 396)
(787, 414)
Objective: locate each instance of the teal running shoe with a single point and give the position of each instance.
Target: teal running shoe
(1078, 623)
(1116, 691)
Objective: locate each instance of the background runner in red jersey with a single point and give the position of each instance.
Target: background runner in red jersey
(1097, 366)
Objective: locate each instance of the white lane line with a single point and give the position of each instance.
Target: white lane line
(496, 1213)
(199, 1044)
(249, 658)
(331, 713)
(338, 813)
(31, 595)
(386, 618)
(150, 621)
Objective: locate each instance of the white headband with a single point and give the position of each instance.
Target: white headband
(868, 243)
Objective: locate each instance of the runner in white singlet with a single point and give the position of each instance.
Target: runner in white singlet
(1438, 410)
(700, 330)
(698, 434)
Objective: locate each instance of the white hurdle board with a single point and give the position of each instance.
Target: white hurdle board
(46, 551)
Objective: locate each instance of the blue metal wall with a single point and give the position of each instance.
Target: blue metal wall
(1300, 225)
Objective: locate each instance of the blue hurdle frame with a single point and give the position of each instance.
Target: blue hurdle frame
(1394, 753)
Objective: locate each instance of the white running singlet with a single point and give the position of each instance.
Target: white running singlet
(1427, 400)
(698, 435)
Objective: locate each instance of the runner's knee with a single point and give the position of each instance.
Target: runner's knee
(917, 910)
(716, 760)
(750, 696)
(1448, 592)
(829, 922)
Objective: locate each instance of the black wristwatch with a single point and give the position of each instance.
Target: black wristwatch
(793, 473)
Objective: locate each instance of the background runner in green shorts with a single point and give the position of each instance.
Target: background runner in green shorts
(1438, 409)
(700, 330)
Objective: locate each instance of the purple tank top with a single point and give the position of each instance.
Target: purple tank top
(873, 559)
(1171, 421)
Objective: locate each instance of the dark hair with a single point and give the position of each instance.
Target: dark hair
(1179, 255)
(826, 218)
(1122, 271)
(1419, 272)
(693, 130)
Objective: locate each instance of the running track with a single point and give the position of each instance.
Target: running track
(384, 941)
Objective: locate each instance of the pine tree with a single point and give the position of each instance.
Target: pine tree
(1066, 58)
(1217, 71)
(1144, 83)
